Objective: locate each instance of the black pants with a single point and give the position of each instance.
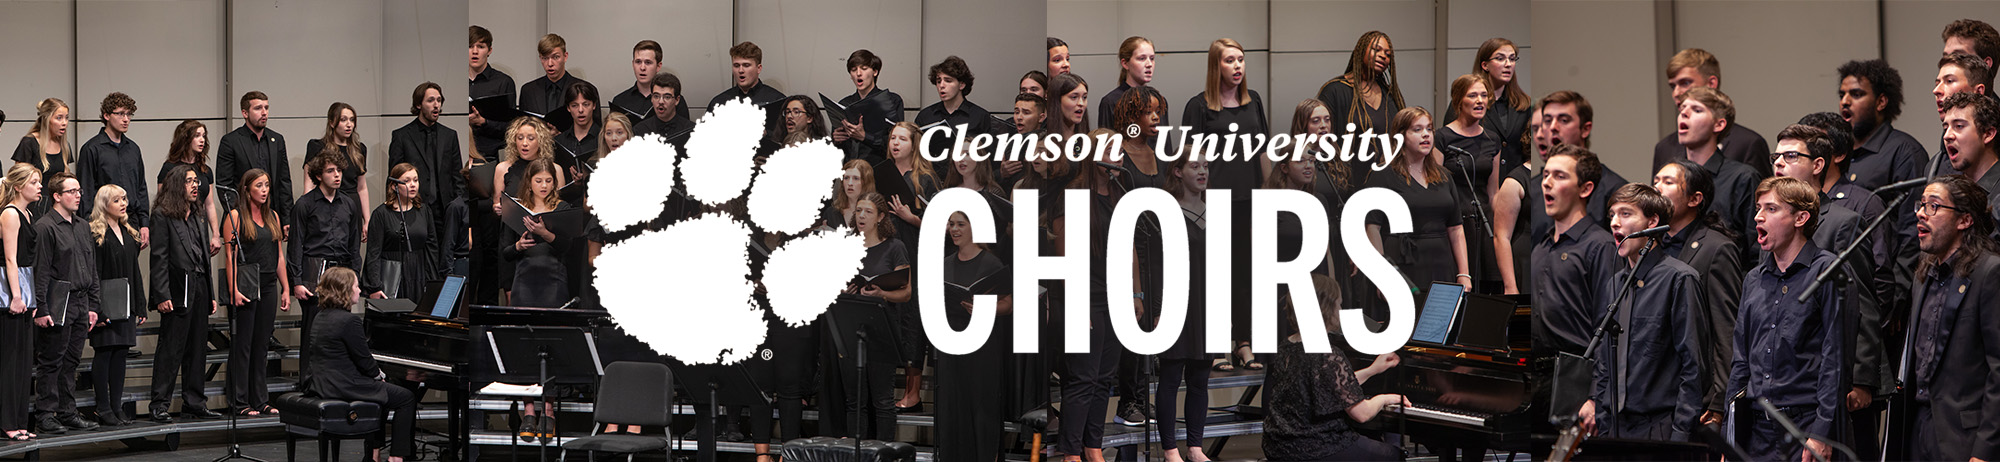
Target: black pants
(1172, 373)
(181, 354)
(840, 400)
(250, 326)
(17, 350)
(795, 352)
(1767, 438)
(107, 377)
(1132, 379)
(403, 405)
(971, 403)
(58, 349)
(1087, 387)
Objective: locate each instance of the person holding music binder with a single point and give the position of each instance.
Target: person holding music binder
(255, 275)
(971, 387)
(121, 308)
(576, 147)
(543, 97)
(540, 279)
(21, 187)
(180, 292)
(326, 233)
(1649, 380)
(839, 400)
(1788, 350)
(404, 254)
(528, 140)
(871, 110)
(66, 284)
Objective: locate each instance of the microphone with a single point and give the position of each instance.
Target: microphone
(224, 188)
(1112, 166)
(1460, 151)
(1903, 184)
(396, 181)
(1655, 231)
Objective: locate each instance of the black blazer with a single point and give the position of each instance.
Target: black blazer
(180, 262)
(436, 156)
(1965, 405)
(1719, 262)
(240, 150)
(339, 364)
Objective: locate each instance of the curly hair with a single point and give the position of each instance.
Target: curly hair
(116, 101)
(545, 140)
(1130, 109)
(1882, 79)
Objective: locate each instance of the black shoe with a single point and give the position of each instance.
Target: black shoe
(160, 415)
(1131, 415)
(110, 419)
(49, 426)
(77, 422)
(201, 413)
(132, 353)
(278, 346)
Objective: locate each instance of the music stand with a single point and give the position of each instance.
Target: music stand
(850, 321)
(550, 352)
(729, 384)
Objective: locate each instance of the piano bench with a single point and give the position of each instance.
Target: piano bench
(328, 421)
(828, 448)
(1037, 423)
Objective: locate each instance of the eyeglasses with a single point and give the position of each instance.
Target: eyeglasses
(793, 112)
(1508, 58)
(1791, 157)
(69, 191)
(1931, 208)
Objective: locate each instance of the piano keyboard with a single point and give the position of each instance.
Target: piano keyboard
(407, 362)
(1428, 412)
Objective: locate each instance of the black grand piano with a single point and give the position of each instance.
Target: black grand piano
(1474, 388)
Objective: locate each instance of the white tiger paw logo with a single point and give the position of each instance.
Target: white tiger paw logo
(686, 290)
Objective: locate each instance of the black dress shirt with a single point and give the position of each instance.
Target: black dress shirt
(242, 150)
(976, 118)
(638, 107)
(1735, 196)
(67, 254)
(676, 130)
(324, 228)
(878, 111)
(1598, 211)
(544, 97)
(351, 173)
(1655, 366)
(1719, 263)
(488, 137)
(1788, 351)
(1738, 143)
(1568, 267)
(101, 162)
(759, 94)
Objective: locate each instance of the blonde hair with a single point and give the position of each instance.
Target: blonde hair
(919, 168)
(545, 140)
(1701, 60)
(101, 220)
(1212, 92)
(44, 112)
(604, 142)
(21, 174)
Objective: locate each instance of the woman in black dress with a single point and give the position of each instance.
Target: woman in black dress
(528, 140)
(401, 233)
(46, 146)
(341, 137)
(1315, 398)
(906, 215)
(1141, 107)
(253, 231)
(1507, 116)
(1434, 249)
(839, 399)
(1086, 386)
(22, 187)
(342, 367)
(1367, 93)
(190, 148)
(1186, 361)
(1069, 105)
(971, 386)
(1228, 100)
(1470, 152)
(540, 280)
(117, 259)
(1333, 180)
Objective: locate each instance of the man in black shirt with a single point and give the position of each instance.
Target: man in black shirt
(1972, 139)
(1650, 377)
(543, 97)
(953, 80)
(1957, 73)
(1567, 118)
(637, 102)
(1955, 333)
(746, 62)
(1695, 67)
(870, 110)
(66, 286)
(432, 148)
(666, 92)
(1704, 116)
(326, 233)
(1574, 257)
(112, 158)
(1871, 97)
(1789, 351)
(487, 82)
(255, 145)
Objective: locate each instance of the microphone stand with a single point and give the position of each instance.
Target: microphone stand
(1792, 431)
(1465, 174)
(1846, 253)
(228, 203)
(1608, 326)
(1148, 369)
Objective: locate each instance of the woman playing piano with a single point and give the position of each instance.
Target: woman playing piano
(1315, 398)
(343, 368)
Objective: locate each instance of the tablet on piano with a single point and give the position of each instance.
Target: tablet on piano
(442, 300)
(1440, 313)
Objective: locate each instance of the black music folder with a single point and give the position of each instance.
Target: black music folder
(482, 177)
(892, 280)
(637, 114)
(999, 283)
(115, 299)
(891, 183)
(570, 222)
(500, 108)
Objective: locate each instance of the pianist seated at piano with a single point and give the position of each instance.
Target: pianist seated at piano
(341, 367)
(1649, 382)
(1316, 400)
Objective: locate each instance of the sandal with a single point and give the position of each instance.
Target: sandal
(528, 428)
(1227, 365)
(20, 435)
(1253, 364)
(268, 410)
(249, 412)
